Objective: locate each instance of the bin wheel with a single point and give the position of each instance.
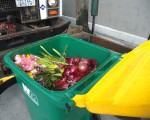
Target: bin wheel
(96, 117)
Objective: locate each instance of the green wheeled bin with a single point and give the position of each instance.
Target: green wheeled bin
(44, 104)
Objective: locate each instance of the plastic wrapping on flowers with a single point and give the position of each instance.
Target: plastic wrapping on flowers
(55, 72)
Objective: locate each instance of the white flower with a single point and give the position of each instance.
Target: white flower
(18, 59)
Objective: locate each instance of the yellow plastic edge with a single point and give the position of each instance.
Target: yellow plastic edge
(125, 89)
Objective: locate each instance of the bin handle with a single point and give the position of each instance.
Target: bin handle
(70, 103)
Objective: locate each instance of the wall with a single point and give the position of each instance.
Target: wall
(127, 16)
(132, 16)
(69, 8)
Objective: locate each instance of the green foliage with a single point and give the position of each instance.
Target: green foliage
(50, 72)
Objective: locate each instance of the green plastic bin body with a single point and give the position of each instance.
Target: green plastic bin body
(44, 104)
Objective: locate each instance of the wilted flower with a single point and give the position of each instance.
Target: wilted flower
(62, 84)
(26, 62)
(33, 57)
(36, 71)
(18, 59)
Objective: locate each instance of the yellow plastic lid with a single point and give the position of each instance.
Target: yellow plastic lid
(125, 89)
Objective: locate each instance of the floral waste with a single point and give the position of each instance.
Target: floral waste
(55, 72)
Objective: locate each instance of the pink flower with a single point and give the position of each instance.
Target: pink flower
(27, 64)
(18, 59)
(33, 57)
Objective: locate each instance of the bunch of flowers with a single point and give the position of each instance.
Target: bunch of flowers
(55, 73)
(26, 62)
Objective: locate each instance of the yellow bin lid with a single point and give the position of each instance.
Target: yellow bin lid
(125, 89)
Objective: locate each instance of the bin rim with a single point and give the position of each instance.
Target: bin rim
(31, 81)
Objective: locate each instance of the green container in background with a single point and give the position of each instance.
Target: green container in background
(44, 104)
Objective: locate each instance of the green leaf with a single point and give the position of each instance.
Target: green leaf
(57, 52)
(53, 78)
(51, 72)
(57, 70)
(45, 50)
(43, 61)
(64, 52)
(58, 74)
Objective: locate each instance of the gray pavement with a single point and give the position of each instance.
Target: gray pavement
(12, 105)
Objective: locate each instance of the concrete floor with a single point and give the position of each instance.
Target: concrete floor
(13, 107)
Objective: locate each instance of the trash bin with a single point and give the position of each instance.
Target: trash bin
(44, 104)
